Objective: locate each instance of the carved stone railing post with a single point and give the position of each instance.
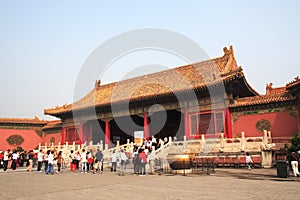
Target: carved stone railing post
(67, 145)
(127, 146)
(184, 142)
(170, 140)
(101, 145)
(222, 143)
(243, 141)
(270, 136)
(202, 143)
(74, 147)
(118, 145)
(163, 156)
(131, 147)
(266, 150)
(265, 138)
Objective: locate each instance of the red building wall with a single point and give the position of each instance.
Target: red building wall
(53, 136)
(30, 139)
(281, 124)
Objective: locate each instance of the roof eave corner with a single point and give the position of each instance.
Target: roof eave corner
(231, 64)
(50, 113)
(46, 112)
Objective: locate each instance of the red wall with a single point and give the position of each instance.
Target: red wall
(56, 136)
(31, 138)
(283, 124)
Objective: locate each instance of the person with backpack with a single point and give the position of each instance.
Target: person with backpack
(98, 162)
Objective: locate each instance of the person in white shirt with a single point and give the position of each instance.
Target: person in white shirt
(154, 142)
(50, 163)
(15, 157)
(40, 160)
(123, 159)
(83, 161)
(5, 159)
(248, 160)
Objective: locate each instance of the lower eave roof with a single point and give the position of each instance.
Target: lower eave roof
(262, 99)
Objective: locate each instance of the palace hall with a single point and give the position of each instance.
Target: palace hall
(210, 98)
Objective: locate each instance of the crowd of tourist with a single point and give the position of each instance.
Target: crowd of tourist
(89, 161)
(84, 161)
(12, 159)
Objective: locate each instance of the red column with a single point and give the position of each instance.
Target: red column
(146, 126)
(91, 131)
(107, 133)
(81, 133)
(186, 123)
(63, 135)
(228, 124)
(43, 138)
(298, 115)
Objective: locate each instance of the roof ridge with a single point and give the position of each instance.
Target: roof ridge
(227, 54)
(22, 120)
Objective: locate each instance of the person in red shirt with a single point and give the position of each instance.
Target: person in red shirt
(143, 162)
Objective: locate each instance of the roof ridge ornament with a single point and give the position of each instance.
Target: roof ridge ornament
(231, 62)
(228, 51)
(97, 84)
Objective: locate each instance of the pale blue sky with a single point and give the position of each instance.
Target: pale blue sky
(43, 44)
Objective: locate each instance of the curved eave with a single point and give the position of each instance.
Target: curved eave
(249, 88)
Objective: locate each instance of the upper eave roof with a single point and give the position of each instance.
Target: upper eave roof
(189, 77)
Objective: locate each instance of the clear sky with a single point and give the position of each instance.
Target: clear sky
(43, 44)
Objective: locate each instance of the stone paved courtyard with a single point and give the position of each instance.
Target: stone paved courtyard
(223, 184)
